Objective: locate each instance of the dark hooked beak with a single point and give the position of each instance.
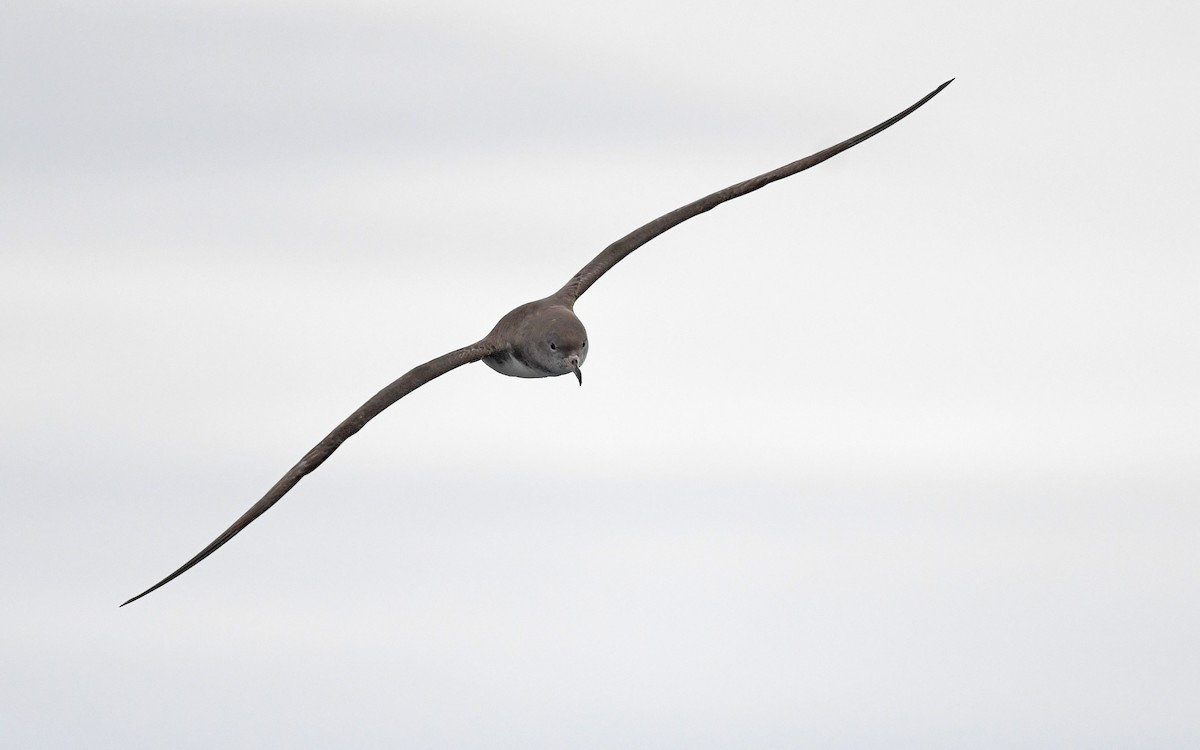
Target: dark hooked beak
(578, 372)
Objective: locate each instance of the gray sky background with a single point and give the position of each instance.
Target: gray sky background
(900, 452)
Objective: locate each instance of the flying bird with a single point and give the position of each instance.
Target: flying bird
(539, 339)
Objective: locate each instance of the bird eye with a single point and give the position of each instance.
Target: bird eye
(553, 345)
(584, 344)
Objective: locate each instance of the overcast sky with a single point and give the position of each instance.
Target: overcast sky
(901, 452)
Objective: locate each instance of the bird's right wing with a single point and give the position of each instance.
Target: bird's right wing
(400, 388)
(617, 251)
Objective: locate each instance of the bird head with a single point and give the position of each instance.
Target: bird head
(560, 343)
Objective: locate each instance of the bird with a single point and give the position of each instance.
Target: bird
(539, 339)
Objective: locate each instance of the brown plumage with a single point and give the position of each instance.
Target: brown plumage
(543, 338)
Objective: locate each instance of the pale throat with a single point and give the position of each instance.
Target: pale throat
(505, 363)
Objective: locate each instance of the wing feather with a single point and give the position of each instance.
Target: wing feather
(618, 250)
(397, 390)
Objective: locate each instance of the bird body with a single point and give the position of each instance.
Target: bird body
(539, 339)
(543, 338)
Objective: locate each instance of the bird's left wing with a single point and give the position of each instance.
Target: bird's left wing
(400, 388)
(618, 250)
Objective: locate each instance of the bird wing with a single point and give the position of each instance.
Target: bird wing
(617, 251)
(400, 388)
